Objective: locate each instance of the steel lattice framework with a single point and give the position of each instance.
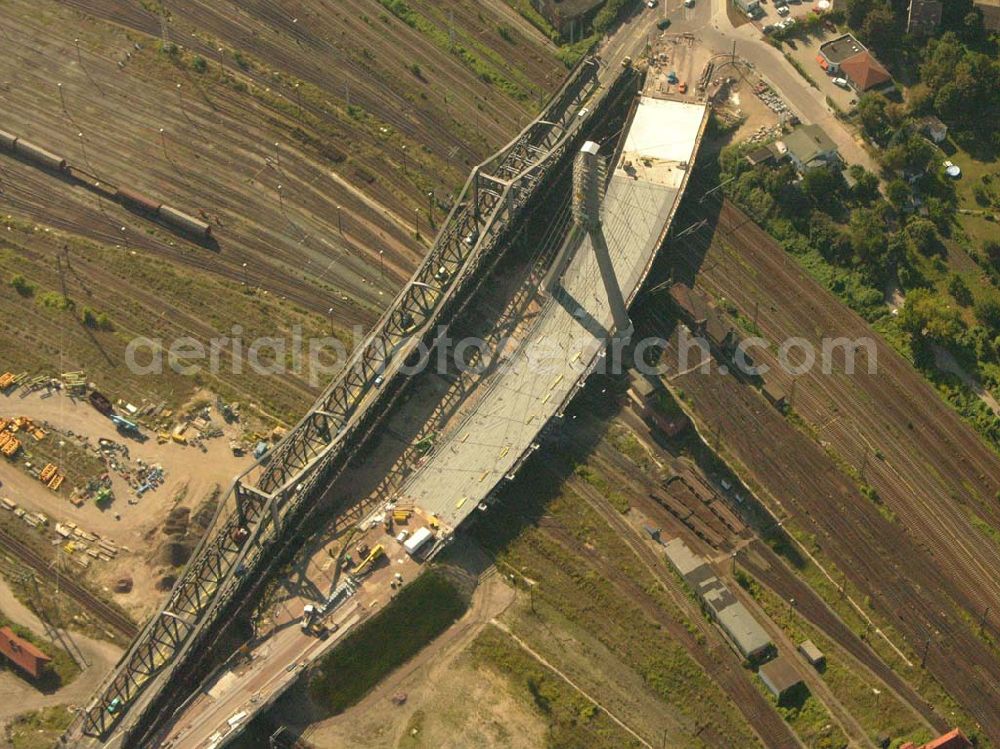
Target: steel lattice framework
(295, 473)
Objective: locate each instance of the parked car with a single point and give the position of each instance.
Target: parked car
(769, 28)
(664, 24)
(651, 3)
(783, 10)
(842, 82)
(688, 3)
(788, 23)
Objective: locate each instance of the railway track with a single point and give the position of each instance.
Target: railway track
(776, 576)
(718, 661)
(106, 613)
(916, 589)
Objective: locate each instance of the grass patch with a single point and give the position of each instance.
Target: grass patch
(473, 55)
(572, 559)
(421, 611)
(573, 720)
(851, 685)
(39, 729)
(62, 669)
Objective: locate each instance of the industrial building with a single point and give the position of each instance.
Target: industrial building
(954, 739)
(812, 654)
(990, 10)
(647, 395)
(22, 653)
(742, 629)
(781, 678)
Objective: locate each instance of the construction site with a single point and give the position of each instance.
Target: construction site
(528, 543)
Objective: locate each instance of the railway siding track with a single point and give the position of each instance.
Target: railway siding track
(905, 581)
(106, 613)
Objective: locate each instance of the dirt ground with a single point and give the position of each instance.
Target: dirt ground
(449, 701)
(191, 476)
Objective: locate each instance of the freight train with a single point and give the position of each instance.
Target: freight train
(130, 199)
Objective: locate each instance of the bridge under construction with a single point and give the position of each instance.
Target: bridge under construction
(564, 342)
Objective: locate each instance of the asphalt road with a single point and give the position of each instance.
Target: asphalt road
(710, 24)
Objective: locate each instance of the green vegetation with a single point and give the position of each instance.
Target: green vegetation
(851, 684)
(837, 599)
(61, 670)
(573, 720)
(857, 243)
(22, 286)
(418, 614)
(596, 480)
(809, 718)
(96, 320)
(574, 564)
(39, 729)
(54, 300)
(485, 63)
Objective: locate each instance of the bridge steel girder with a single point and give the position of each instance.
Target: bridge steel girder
(279, 484)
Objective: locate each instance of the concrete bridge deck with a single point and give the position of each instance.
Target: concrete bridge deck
(571, 333)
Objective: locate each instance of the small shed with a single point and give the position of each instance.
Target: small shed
(812, 654)
(781, 678)
(22, 653)
(934, 128)
(762, 155)
(775, 395)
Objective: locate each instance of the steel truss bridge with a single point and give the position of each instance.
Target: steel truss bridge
(273, 492)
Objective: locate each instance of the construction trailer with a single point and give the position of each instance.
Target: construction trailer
(416, 542)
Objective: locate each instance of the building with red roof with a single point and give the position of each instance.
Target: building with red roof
(954, 739)
(848, 57)
(864, 72)
(22, 653)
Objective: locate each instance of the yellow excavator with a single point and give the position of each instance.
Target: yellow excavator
(369, 561)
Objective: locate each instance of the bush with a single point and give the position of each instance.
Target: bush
(199, 64)
(959, 289)
(95, 320)
(22, 286)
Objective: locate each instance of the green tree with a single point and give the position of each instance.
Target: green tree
(913, 155)
(871, 110)
(987, 311)
(959, 289)
(879, 28)
(926, 314)
(868, 236)
(857, 10)
(865, 188)
(898, 193)
(991, 249)
(22, 285)
(923, 235)
(821, 185)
